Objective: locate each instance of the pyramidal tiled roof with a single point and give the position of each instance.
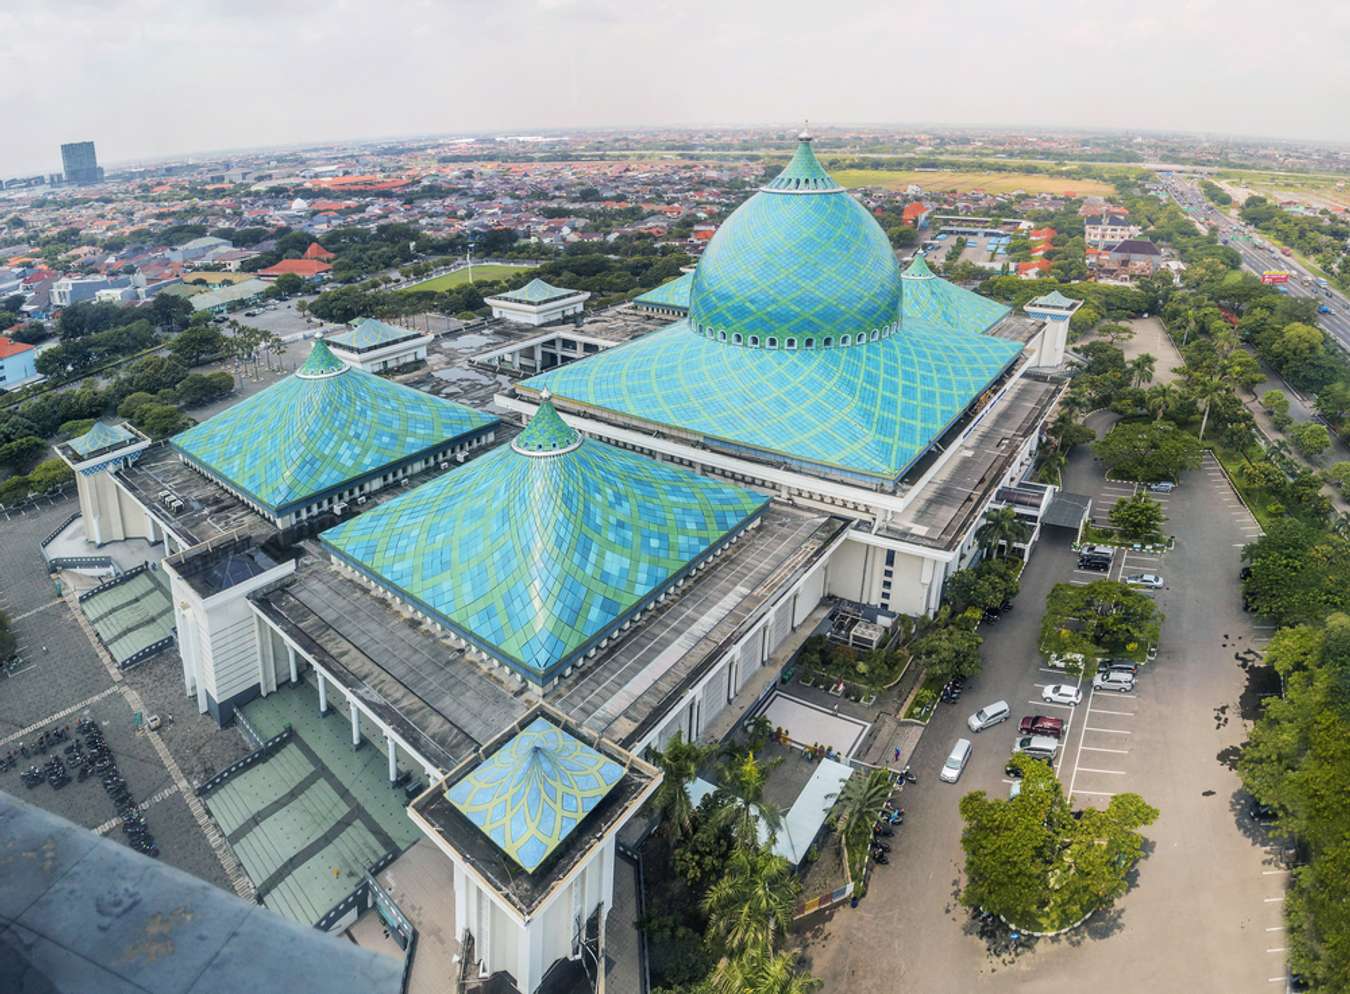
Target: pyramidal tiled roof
(804, 172)
(321, 429)
(1053, 299)
(101, 436)
(369, 334)
(537, 292)
(529, 795)
(672, 294)
(918, 269)
(935, 302)
(536, 555)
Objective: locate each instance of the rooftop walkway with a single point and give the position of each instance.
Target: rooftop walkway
(308, 820)
(132, 615)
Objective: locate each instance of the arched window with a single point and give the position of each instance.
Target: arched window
(876, 335)
(792, 343)
(736, 339)
(773, 343)
(754, 341)
(810, 343)
(829, 343)
(845, 340)
(721, 336)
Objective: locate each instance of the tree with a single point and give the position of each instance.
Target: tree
(170, 312)
(1298, 573)
(1244, 368)
(1141, 369)
(198, 344)
(1148, 451)
(288, 285)
(750, 907)
(1138, 518)
(1339, 475)
(987, 585)
(1205, 390)
(14, 454)
(1160, 400)
(1297, 344)
(762, 973)
(1103, 619)
(742, 783)
(133, 402)
(48, 474)
(1264, 475)
(1310, 438)
(159, 420)
(1002, 527)
(203, 388)
(1031, 861)
(1275, 402)
(679, 762)
(949, 651)
(1115, 333)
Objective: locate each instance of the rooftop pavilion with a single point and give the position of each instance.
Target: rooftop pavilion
(327, 433)
(376, 346)
(537, 303)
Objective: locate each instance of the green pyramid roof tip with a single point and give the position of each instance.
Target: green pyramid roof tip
(321, 362)
(547, 433)
(537, 291)
(918, 269)
(804, 173)
(1053, 299)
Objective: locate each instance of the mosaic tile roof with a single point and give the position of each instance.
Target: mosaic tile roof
(546, 434)
(673, 294)
(871, 409)
(370, 333)
(797, 264)
(803, 171)
(536, 559)
(316, 431)
(935, 302)
(101, 436)
(1054, 299)
(530, 794)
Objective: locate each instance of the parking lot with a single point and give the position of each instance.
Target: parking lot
(1205, 910)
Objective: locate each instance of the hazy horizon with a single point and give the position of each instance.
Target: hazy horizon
(146, 82)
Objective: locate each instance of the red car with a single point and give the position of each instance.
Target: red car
(1040, 724)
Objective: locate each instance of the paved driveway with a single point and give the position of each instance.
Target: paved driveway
(1205, 912)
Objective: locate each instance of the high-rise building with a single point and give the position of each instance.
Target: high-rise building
(80, 164)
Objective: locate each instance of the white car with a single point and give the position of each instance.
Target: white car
(1062, 693)
(1151, 580)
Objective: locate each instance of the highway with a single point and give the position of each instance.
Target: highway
(1259, 256)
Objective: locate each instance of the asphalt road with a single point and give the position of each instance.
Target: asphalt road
(1258, 259)
(1205, 906)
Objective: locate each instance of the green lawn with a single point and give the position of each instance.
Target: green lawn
(448, 281)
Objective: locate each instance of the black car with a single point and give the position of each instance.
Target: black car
(1095, 565)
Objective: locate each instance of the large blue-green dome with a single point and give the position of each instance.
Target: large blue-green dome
(801, 264)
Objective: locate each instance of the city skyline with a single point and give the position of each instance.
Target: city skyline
(345, 73)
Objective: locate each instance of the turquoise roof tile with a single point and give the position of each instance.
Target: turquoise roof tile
(933, 301)
(674, 294)
(871, 409)
(101, 436)
(537, 550)
(532, 793)
(537, 292)
(371, 333)
(316, 431)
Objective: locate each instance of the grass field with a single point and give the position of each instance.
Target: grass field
(1318, 190)
(963, 182)
(448, 281)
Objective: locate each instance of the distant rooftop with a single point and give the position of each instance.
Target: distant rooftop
(101, 438)
(370, 334)
(536, 292)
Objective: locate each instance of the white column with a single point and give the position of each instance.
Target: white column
(290, 655)
(393, 758)
(356, 722)
(323, 693)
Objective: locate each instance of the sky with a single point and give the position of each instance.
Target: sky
(149, 79)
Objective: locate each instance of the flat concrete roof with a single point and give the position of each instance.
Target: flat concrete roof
(209, 510)
(946, 506)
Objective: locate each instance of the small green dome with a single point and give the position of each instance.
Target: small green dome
(801, 264)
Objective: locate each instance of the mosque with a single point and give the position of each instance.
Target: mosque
(518, 613)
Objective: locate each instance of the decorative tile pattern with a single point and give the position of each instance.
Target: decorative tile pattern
(673, 294)
(932, 301)
(536, 292)
(101, 436)
(804, 172)
(546, 434)
(534, 559)
(797, 266)
(316, 430)
(369, 334)
(529, 795)
(870, 408)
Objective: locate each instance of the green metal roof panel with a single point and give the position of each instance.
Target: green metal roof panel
(797, 266)
(101, 436)
(673, 294)
(535, 556)
(871, 408)
(532, 793)
(537, 292)
(319, 429)
(371, 333)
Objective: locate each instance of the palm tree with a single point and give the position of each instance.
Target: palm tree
(679, 763)
(1160, 399)
(742, 780)
(1141, 369)
(861, 798)
(776, 973)
(1206, 390)
(750, 906)
(1052, 466)
(1002, 525)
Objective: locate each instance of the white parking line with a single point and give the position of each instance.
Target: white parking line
(1278, 949)
(1272, 900)
(1275, 928)
(1089, 769)
(1272, 873)
(1109, 731)
(1124, 714)
(1094, 793)
(1119, 752)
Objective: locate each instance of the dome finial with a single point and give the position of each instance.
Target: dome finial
(805, 134)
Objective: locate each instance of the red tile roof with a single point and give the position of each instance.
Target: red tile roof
(913, 211)
(317, 251)
(300, 267)
(1040, 265)
(9, 347)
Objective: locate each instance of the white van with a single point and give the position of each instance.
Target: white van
(989, 716)
(956, 762)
